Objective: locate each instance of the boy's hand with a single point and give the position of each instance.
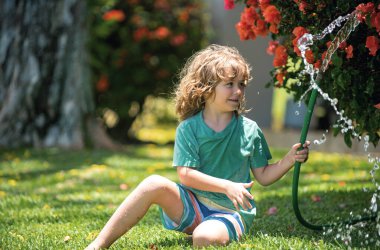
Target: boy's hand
(299, 155)
(239, 195)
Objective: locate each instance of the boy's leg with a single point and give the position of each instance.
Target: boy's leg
(210, 232)
(153, 190)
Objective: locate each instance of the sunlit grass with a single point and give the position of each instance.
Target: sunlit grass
(54, 199)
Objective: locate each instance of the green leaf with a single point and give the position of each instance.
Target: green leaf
(347, 139)
(336, 60)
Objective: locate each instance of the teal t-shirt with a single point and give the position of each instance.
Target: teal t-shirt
(229, 154)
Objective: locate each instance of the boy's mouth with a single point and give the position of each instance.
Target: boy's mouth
(234, 100)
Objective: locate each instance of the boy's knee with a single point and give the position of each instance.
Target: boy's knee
(155, 183)
(203, 238)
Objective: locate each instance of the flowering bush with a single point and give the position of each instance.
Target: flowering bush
(353, 76)
(136, 47)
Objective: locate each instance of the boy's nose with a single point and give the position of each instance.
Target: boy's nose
(238, 91)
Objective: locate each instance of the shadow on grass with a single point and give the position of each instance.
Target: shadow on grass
(66, 160)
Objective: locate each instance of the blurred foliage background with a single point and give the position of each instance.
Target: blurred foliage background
(136, 48)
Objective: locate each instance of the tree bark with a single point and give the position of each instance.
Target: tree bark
(45, 93)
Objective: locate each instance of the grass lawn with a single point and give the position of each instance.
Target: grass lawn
(54, 199)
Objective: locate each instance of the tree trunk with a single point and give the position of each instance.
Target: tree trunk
(45, 93)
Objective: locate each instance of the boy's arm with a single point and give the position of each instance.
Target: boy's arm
(272, 172)
(236, 192)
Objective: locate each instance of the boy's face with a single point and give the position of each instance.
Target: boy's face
(227, 96)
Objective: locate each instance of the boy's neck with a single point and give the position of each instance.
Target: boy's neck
(215, 120)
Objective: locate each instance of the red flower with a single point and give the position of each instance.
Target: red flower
(114, 15)
(229, 4)
(317, 65)
(302, 5)
(249, 16)
(375, 21)
(323, 57)
(372, 43)
(140, 33)
(245, 26)
(102, 85)
(377, 105)
(272, 45)
(273, 28)
(162, 4)
(343, 45)
(280, 78)
(161, 33)
(261, 28)
(309, 56)
(364, 10)
(298, 32)
(263, 4)
(280, 57)
(349, 51)
(245, 31)
(272, 15)
(253, 3)
(184, 16)
(178, 39)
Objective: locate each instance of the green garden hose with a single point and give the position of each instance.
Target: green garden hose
(296, 174)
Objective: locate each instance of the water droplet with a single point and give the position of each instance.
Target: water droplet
(320, 141)
(297, 112)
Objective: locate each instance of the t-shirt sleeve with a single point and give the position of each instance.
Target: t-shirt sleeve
(185, 148)
(261, 153)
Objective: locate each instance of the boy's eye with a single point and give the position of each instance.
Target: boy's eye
(230, 84)
(242, 84)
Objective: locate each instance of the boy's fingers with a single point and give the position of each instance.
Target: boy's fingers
(248, 195)
(248, 185)
(247, 204)
(302, 152)
(235, 204)
(242, 204)
(296, 146)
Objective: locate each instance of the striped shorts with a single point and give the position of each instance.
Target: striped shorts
(196, 212)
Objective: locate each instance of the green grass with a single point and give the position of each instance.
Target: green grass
(55, 199)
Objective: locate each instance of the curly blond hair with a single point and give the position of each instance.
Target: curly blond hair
(202, 73)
